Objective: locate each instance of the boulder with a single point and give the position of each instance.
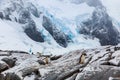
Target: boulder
(55, 57)
(9, 61)
(2, 77)
(3, 67)
(41, 62)
(29, 71)
(12, 76)
(114, 62)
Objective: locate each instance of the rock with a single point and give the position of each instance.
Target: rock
(113, 78)
(57, 34)
(41, 62)
(73, 77)
(33, 10)
(104, 63)
(97, 52)
(29, 71)
(51, 76)
(7, 13)
(32, 32)
(55, 57)
(24, 16)
(114, 62)
(12, 76)
(9, 61)
(3, 53)
(108, 49)
(32, 77)
(116, 48)
(98, 27)
(2, 77)
(7, 17)
(3, 67)
(37, 73)
(94, 3)
(103, 74)
(1, 15)
(36, 78)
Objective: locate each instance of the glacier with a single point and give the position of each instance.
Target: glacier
(50, 26)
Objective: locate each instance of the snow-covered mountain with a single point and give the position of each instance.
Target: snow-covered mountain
(48, 26)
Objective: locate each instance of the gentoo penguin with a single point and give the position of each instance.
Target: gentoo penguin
(46, 60)
(82, 58)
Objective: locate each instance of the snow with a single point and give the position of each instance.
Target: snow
(29, 77)
(65, 10)
(65, 13)
(112, 7)
(110, 78)
(12, 36)
(43, 71)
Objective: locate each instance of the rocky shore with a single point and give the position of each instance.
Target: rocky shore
(92, 64)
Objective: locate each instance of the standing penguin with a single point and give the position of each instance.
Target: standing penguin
(30, 51)
(46, 60)
(82, 58)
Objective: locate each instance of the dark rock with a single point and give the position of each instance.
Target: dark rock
(32, 32)
(7, 13)
(101, 27)
(73, 77)
(33, 10)
(16, 19)
(41, 62)
(9, 61)
(116, 48)
(2, 77)
(7, 17)
(12, 76)
(37, 73)
(30, 71)
(94, 3)
(105, 63)
(51, 76)
(36, 78)
(97, 52)
(1, 15)
(15, 51)
(55, 57)
(108, 49)
(58, 35)
(24, 16)
(27, 72)
(3, 67)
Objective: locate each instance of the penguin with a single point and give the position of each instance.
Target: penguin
(46, 60)
(82, 58)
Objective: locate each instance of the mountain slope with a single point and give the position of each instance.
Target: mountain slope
(52, 25)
